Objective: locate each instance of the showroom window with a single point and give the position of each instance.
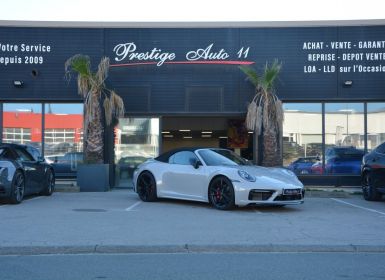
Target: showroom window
(22, 123)
(376, 124)
(136, 140)
(344, 138)
(63, 136)
(302, 136)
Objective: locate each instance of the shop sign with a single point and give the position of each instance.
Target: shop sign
(127, 54)
(23, 53)
(344, 57)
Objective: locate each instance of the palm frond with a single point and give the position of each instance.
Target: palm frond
(78, 63)
(251, 74)
(102, 73)
(270, 75)
(81, 65)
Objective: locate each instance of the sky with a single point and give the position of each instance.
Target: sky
(190, 11)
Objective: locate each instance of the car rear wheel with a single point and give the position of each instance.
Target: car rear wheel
(221, 193)
(146, 187)
(49, 183)
(17, 188)
(368, 190)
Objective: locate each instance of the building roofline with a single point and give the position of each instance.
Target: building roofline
(219, 24)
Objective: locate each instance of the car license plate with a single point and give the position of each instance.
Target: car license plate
(291, 191)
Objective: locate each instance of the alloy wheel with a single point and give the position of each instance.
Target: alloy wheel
(147, 187)
(221, 193)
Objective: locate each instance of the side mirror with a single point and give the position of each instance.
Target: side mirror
(196, 163)
(40, 159)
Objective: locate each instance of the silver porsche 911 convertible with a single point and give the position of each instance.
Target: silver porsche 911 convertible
(216, 176)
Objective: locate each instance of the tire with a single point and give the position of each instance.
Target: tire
(221, 193)
(369, 191)
(146, 187)
(17, 188)
(49, 184)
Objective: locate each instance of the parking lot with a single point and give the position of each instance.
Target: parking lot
(118, 220)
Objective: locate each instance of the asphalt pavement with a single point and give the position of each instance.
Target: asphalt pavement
(118, 222)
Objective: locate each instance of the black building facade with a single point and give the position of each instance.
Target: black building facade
(182, 86)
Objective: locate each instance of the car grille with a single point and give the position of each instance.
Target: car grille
(288, 197)
(260, 194)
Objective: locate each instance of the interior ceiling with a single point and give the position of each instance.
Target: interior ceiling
(195, 123)
(216, 125)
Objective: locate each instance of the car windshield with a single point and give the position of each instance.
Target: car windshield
(221, 157)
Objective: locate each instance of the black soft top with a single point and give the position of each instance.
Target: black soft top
(165, 156)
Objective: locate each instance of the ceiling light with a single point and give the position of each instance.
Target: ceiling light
(18, 83)
(207, 132)
(187, 137)
(184, 130)
(165, 132)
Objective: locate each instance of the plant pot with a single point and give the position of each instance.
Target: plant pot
(93, 177)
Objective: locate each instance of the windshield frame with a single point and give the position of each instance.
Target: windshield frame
(213, 157)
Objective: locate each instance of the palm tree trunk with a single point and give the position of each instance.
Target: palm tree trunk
(94, 145)
(271, 149)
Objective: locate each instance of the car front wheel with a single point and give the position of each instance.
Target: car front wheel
(146, 187)
(221, 193)
(368, 190)
(17, 188)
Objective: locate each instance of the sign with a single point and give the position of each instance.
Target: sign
(129, 53)
(344, 57)
(23, 53)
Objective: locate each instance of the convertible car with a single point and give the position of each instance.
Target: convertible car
(23, 171)
(216, 176)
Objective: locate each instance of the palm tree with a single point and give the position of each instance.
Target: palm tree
(92, 88)
(265, 113)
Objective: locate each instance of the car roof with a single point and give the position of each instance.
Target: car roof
(165, 156)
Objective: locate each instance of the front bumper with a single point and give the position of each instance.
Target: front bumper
(244, 195)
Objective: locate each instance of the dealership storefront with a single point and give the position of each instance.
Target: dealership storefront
(182, 87)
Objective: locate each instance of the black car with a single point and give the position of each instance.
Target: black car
(24, 171)
(373, 173)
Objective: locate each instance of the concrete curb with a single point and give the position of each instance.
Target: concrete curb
(171, 249)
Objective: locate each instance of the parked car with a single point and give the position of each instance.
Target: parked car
(127, 165)
(216, 176)
(316, 168)
(23, 171)
(373, 173)
(343, 160)
(303, 165)
(66, 165)
(340, 160)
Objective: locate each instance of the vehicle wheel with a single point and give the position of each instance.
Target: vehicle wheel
(146, 187)
(49, 185)
(221, 193)
(369, 191)
(17, 188)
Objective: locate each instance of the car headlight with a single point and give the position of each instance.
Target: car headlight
(246, 176)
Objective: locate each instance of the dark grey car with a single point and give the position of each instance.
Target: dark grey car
(373, 173)
(23, 172)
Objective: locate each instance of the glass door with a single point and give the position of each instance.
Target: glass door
(137, 139)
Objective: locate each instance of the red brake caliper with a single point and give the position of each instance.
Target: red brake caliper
(218, 194)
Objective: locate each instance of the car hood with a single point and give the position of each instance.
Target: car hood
(278, 174)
